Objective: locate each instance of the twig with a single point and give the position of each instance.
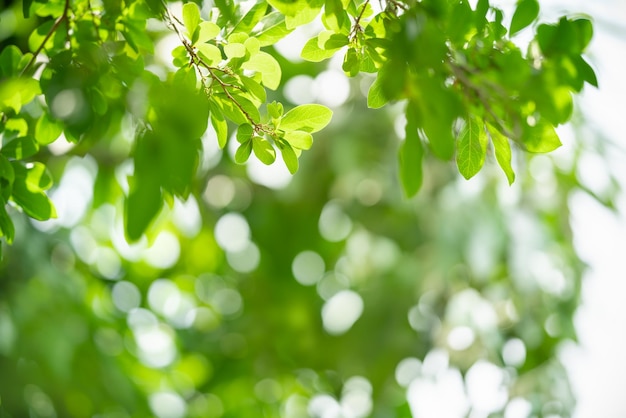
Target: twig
(54, 27)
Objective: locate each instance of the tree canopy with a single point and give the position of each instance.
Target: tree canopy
(167, 285)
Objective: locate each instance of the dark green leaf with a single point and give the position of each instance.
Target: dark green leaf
(410, 159)
(20, 148)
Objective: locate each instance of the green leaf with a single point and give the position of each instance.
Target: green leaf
(308, 118)
(7, 230)
(219, 125)
(541, 138)
(206, 32)
(502, 149)
(351, 64)
(314, 53)
(10, 61)
(254, 89)
(7, 177)
(253, 46)
(235, 50)
(410, 159)
(191, 18)
(289, 157)
(375, 96)
(28, 190)
(471, 148)
(251, 18)
(299, 139)
(243, 152)
(525, 13)
(275, 109)
(47, 130)
(244, 133)
(273, 30)
(20, 148)
(16, 92)
(269, 68)
(263, 150)
(142, 206)
(210, 53)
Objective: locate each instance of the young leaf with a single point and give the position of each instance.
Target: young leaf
(471, 148)
(269, 68)
(191, 18)
(525, 13)
(275, 109)
(502, 149)
(410, 159)
(263, 150)
(289, 157)
(243, 152)
(308, 118)
(299, 139)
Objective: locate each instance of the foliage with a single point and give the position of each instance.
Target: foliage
(464, 85)
(94, 319)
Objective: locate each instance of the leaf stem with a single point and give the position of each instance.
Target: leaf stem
(54, 27)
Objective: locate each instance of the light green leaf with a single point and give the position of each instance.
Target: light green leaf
(299, 139)
(47, 130)
(244, 133)
(269, 68)
(471, 148)
(235, 50)
(207, 31)
(191, 18)
(289, 157)
(243, 152)
(210, 53)
(275, 109)
(375, 96)
(253, 45)
(312, 51)
(219, 125)
(525, 13)
(263, 150)
(502, 150)
(308, 118)
(410, 159)
(251, 18)
(274, 29)
(541, 138)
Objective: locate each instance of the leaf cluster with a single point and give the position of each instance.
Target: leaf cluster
(466, 85)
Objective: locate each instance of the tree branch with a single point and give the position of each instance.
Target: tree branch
(54, 27)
